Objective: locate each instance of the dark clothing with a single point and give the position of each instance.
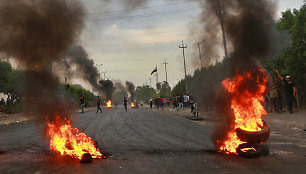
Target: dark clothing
(98, 102)
(289, 98)
(288, 87)
(99, 108)
(151, 103)
(125, 104)
(98, 105)
(82, 100)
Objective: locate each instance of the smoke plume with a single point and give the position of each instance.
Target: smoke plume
(36, 33)
(250, 32)
(131, 89)
(107, 88)
(86, 69)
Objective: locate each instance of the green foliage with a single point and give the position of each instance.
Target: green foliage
(5, 77)
(143, 93)
(293, 60)
(179, 88)
(165, 90)
(77, 91)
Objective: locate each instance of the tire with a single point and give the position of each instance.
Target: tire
(249, 154)
(254, 137)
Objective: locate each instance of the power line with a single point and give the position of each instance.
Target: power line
(135, 9)
(145, 15)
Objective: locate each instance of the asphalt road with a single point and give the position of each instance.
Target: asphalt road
(142, 141)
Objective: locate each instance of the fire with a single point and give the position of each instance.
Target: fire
(132, 105)
(70, 141)
(247, 93)
(109, 104)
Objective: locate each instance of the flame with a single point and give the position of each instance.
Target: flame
(247, 93)
(248, 149)
(109, 104)
(132, 105)
(70, 141)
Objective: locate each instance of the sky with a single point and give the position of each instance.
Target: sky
(130, 43)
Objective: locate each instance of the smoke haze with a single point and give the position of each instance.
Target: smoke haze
(131, 89)
(250, 32)
(36, 33)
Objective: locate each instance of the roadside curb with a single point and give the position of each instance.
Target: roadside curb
(6, 119)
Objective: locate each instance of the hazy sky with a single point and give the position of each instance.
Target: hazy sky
(130, 43)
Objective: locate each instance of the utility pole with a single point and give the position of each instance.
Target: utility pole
(183, 47)
(150, 82)
(200, 55)
(220, 14)
(165, 63)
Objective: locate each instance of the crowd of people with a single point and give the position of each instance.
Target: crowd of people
(177, 102)
(281, 87)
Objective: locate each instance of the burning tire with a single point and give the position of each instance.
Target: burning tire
(248, 150)
(86, 158)
(254, 137)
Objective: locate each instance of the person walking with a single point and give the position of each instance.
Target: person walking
(98, 104)
(125, 101)
(82, 101)
(289, 90)
(151, 103)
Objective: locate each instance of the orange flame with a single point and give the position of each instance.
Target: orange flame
(70, 141)
(247, 94)
(132, 105)
(109, 104)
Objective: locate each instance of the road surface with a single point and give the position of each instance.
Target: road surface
(142, 141)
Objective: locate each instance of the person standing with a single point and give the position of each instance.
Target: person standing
(274, 97)
(289, 90)
(2, 102)
(98, 104)
(82, 101)
(162, 102)
(151, 103)
(125, 101)
(186, 99)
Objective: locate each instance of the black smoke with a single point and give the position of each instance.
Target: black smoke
(85, 67)
(35, 33)
(131, 89)
(108, 88)
(251, 36)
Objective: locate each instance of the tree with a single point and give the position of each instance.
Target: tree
(143, 93)
(165, 90)
(293, 60)
(5, 77)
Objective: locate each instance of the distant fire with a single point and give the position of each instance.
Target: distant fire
(246, 105)
(132, 105)
(70, 141)
(109, 104)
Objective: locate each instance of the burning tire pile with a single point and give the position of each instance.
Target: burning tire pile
(248, 133)
(255, 142)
